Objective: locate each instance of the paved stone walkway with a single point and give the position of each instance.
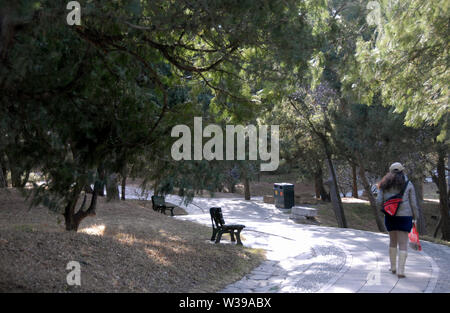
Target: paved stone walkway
(308, 258)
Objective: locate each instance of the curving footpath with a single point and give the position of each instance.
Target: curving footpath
(309, 258)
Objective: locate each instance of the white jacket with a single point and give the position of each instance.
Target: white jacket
(409, 205)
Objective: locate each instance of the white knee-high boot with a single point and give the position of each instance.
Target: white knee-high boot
(401, 263)
(393, 259)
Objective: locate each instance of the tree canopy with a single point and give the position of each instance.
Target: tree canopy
(84, 99)
(407, 59)
(356, 82)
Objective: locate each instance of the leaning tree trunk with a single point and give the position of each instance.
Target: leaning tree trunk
(333, 184)
(438, 226)
(372, 200)
(334, 194)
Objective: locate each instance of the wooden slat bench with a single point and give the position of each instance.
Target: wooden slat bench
(159, 204)
(220, 228)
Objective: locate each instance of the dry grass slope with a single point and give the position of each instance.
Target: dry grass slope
(127, 247)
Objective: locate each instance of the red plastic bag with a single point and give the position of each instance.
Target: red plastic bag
(414, 242)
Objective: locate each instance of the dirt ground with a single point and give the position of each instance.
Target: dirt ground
(126, 247)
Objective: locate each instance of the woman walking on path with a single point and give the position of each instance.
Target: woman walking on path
(400, 224)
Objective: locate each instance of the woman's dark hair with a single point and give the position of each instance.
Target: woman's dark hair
(392, 180)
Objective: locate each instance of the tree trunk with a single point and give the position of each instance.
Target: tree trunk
(16, 180)
(232, 187)
(354, 182)
(102, 179)
(335, 197)
(112, 188)
(448, 182)
(316, 185)
(320, 191)
(16, 177)
(334, 190)
(4, 172)
(5, 177)
(73, 219)
(69, 212)
(124, 174)
(123, 187)
(448, 173)
(72, 223)
(419, 188)
(438, 226)
(2, 178)
(246, 185)
(372, 200)
(246, 189)
(26, 178)
(443, 194)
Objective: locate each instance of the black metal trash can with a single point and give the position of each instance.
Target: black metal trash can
(283, 195)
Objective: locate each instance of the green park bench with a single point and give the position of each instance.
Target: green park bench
(159, 204)
(220, 228)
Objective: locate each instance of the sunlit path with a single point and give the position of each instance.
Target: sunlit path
(307, 258)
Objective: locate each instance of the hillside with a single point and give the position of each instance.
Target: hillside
(126, 247)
